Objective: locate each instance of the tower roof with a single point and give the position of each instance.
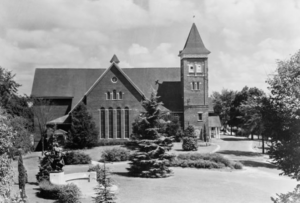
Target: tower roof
(115, 59)
(194, 43)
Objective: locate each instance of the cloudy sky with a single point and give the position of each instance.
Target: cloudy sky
(245, 37)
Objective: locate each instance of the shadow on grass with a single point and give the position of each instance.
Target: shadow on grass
(239, 153)
(32, 183)
(257, 164)
(235, 139)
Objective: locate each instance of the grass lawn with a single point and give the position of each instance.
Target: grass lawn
(187, 185)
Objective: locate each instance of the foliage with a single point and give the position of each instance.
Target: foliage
(98, 169)
(290, 197)
(286, 156)
(197, 160)
(69, 193)
(189, 142)
(6, 174)
(83, 129)
(42, 109)
(284, 86)
(64, 193)
(108, 142)
(74, 157)
(152, 145)
(172, 126)
(52, 161)
(236, 115)
(22, 177)
(104, 194)
(222, 104)
(115, 154)
(49, 190)
(22, 139)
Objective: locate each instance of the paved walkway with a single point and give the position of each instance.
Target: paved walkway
(241, 149)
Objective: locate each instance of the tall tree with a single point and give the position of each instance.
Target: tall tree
(151, 159)
(222, 104)
(285, 89)
(237, 116)
(83, 129)
(42, 114)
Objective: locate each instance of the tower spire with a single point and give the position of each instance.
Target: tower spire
(194, 44)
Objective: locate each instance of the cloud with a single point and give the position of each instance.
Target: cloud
(136, 49)
(245, 37)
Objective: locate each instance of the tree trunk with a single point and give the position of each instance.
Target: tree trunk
(230, 130)
(252, 137)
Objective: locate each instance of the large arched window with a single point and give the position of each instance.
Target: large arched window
(111, 123)
(120, 95)
(118, 122)
(114, 94)
(102, 125)
(126, 122)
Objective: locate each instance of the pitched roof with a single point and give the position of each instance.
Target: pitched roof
(74, 83)
(214, 121)
(194, 43)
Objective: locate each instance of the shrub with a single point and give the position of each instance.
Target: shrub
(115, 154)
(105, 142)
(238, 165)
(69, 193)
(197, 160)
(190, 132)
(75, 157)
(189, 144)
(49, 190)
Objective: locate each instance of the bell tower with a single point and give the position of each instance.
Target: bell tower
(194, 81)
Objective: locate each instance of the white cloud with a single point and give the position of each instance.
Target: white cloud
(136, 49)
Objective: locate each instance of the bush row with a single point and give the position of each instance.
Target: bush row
(108, 142)
(198, 160)
(63, 193)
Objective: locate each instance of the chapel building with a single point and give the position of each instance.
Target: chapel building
(113, 95)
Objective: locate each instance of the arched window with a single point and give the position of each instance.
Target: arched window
(120, 95)
(114, 94)
(193, 86)
(198, 85)
(111, 123)
(102, 125)
(118, 122)
(126, 122)
(108, 95)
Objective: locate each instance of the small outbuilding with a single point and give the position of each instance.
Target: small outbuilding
(214, 126)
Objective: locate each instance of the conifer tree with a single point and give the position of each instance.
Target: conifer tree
(152, 158)
(83, 129)
(22, 177)
(103, 191)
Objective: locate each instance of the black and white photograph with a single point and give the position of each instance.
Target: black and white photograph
(149, 101)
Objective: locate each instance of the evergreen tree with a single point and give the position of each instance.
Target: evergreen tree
(83, 129)
(103, 191)
(151, 159)
(22, 177)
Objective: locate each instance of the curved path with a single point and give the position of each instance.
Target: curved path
(241, 149)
